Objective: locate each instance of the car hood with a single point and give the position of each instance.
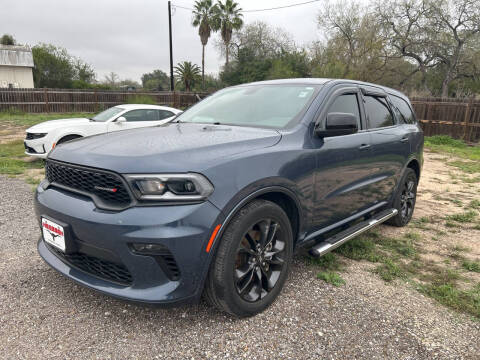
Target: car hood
(47, 126)
(172, 147)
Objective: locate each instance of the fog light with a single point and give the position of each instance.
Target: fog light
(147, 249)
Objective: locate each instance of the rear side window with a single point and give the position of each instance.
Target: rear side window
(378, 112)
(346, 103)
(405, 110)
(163, 114)
(142, 115)
(137, 115)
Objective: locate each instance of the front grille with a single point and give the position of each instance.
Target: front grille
(33, 136)
(107, 189)
(98, 267)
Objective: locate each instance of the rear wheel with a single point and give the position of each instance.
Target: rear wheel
(252, 261)
(68, 138)
(405, 199)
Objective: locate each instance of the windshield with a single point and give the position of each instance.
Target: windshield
(107, 114)
(271, 106)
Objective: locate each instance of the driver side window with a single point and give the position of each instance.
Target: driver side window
(346, 103)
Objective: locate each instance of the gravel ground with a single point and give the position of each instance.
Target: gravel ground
(43, 315)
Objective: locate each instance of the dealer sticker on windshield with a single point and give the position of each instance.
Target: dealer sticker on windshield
(53, 234)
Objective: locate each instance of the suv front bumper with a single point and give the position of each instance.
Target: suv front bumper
(102, 240)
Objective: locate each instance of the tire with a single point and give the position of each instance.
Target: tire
(67, 138)
(244, 256)
(405, 199)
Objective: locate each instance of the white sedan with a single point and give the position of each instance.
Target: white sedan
(43, 137)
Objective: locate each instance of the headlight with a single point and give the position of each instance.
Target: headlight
(170, 187)
(33, 136)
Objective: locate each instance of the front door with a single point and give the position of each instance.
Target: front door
(343, 175)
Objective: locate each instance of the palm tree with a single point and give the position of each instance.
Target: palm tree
(228, 18)
(187, 73)
(203, 17)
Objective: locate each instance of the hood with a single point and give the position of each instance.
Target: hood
(173, 147)
(47, 126)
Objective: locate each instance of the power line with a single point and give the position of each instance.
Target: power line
(282, 7)
(258, 10)
(182, 7)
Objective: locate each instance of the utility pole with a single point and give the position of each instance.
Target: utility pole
(170, 38)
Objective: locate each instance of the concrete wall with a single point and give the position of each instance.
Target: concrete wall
(19, 77)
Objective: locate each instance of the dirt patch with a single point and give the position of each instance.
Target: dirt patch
(444, 191)
(10, 132)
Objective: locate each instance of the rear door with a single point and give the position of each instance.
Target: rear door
(390, 142)
(409, 123)
(343, 163)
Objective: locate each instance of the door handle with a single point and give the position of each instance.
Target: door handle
(364, 147)
(404, 139)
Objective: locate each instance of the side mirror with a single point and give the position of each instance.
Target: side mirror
(338, 124)
(120, 120)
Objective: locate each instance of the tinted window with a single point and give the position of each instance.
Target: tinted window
(378, 113)
(107, 114)
(142, 115)
(270, 106)
(163, 114)
(405, 110)
(346, 103)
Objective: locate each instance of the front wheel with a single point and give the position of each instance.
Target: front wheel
(405, 199)
(252, 261)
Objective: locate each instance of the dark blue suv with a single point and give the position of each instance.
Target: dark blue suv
(217, 201)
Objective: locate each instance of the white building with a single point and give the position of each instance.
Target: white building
(16, 66)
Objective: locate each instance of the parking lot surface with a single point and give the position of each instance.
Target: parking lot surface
(43, 315)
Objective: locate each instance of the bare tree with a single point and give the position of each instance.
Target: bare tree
(112, 79)
(433, 34)
(353, 39)
(406, 28)
(457, 27)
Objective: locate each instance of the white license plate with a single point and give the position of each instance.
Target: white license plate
(53, 234)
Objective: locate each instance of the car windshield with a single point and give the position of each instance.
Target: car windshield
(107, 114)
(270, 106)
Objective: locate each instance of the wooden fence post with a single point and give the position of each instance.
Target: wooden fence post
(45, 97)
(96, 100)
(466, 121)
(175, 99)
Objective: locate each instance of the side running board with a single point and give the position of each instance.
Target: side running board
(343, 236)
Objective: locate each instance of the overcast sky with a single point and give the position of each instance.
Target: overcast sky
(130, 37)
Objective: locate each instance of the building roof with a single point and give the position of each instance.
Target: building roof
(15, 55)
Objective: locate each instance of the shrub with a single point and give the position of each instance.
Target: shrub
(444, 140)
(141, 99)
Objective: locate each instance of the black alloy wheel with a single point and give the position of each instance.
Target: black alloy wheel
(405, 198)
(251, 261)
(260, 260)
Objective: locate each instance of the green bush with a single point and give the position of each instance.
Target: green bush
(444, 140)
(141, 99)
(13, 111)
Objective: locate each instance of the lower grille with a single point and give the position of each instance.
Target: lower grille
(168, 264)
(98, 267)
(30, 150)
